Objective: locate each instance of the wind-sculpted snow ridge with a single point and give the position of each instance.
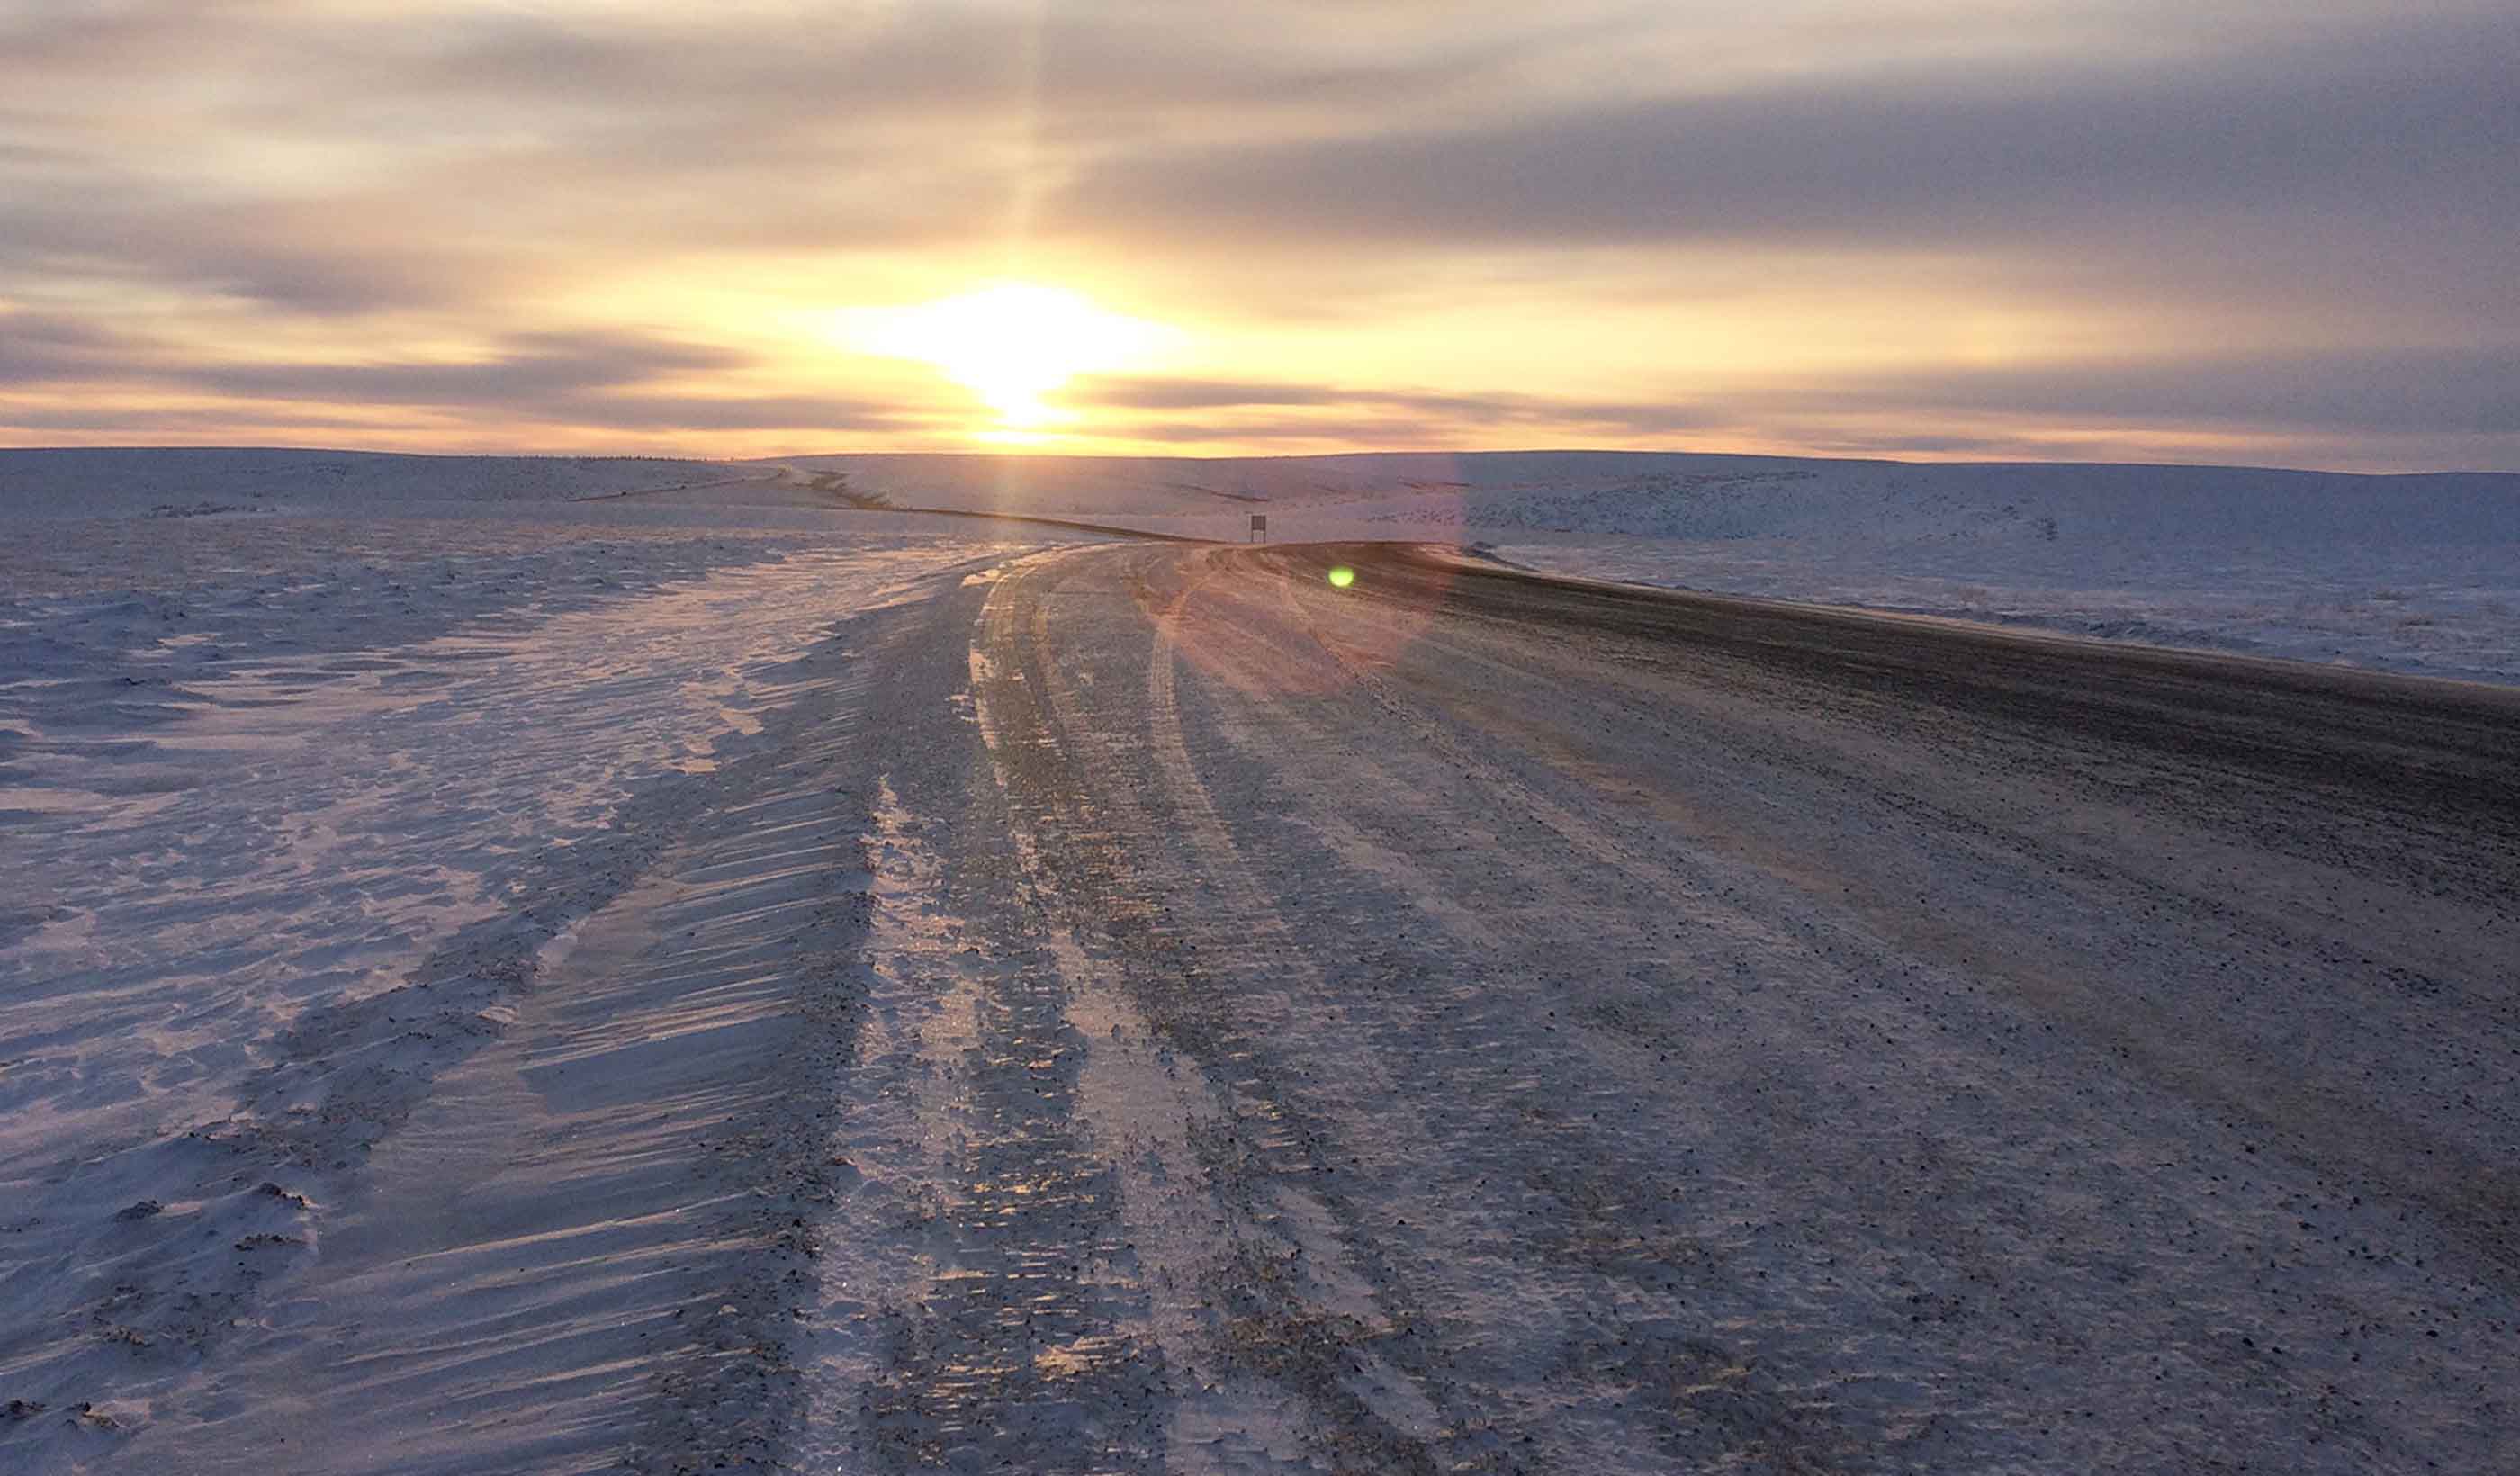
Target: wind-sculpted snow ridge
(386, 962)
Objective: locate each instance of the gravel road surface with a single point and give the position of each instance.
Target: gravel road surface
(1454, 1020)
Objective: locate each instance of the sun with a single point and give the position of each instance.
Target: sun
(1012, 344)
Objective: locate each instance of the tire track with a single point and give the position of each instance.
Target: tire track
(1646, 1133)
(1289, 1300)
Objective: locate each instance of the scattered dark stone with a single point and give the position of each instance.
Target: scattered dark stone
(23, 1408)
(140, 1211)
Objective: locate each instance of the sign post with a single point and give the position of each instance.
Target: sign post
(1259, 529)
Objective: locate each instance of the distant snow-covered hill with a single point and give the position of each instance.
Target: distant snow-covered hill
(1824, 503)
(2416, 573)
(2412, 573)
(1686, 496)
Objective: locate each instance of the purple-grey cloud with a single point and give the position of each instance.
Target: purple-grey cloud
(1456, 411)
(2347, 132)
(529, 367)
(2470, 391)
(2345, 176)
(664, 412)
(584, 378)
(45, 347)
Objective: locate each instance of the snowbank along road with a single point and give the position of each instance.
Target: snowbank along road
(1154, 1008)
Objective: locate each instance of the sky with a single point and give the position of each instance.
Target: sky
(2132, 230)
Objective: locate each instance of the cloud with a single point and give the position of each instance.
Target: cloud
(341, 256)
(1419, 417)
(2439, 395)
(1198, 395)
(207, 425)
(518, 367)
(46, 347)
(578, 379)
(2462, 391)
(526, 369)
(2346, 132)
(2120, 178)
(710, 413)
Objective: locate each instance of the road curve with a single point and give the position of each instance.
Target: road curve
(1545, 1026)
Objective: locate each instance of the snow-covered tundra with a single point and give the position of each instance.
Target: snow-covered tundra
(577, 965)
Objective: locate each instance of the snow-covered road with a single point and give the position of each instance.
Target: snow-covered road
(1137, 1009)
(1591, 1032)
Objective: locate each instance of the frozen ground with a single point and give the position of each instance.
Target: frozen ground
(1593, 1034)
(299, 797)
(2407, 573)
(700, 978)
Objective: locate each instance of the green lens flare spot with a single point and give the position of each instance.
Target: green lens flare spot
(1342, 576)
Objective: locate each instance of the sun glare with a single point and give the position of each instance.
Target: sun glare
(1012, 344)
